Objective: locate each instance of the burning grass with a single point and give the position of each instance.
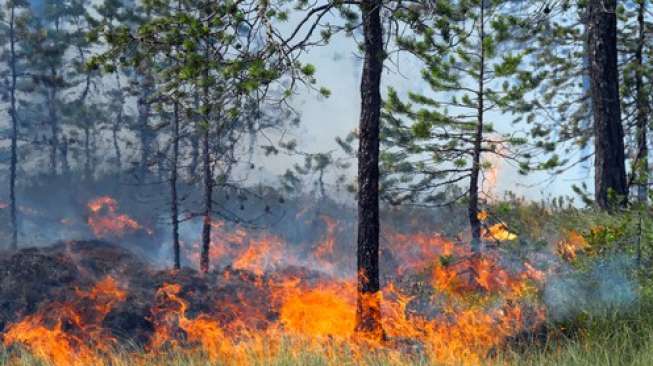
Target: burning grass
(94, 303)
(241, 316)
(617, 339)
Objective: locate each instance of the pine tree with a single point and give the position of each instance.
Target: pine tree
(564, 110)
(448, 136)
(206, 57)
(636, 76)
(13, 20)
(609, 165)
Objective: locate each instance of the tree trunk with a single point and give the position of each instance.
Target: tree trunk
(472, 207)
(208, 174)
(14, 132)
(641, 160)
(208, 198)
(368, 306)
(609, 164)
(173, 188)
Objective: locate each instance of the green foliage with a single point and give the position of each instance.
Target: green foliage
(429, 140)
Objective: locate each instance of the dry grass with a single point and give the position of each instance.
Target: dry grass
(605, 342)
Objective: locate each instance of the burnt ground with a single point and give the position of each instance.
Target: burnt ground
(41, 280)
(33, 279)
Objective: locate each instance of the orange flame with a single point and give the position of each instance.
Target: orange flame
(319, 312)
(569, 247)
(104, 221)
(460, 307)
(324, 251)
(70, 333)
(498, 232)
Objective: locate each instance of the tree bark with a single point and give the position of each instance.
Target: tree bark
(641, 160)
(173, 188)
(472, 207)
(208, 200)
(14, 132)
(208, 173)
(368, 307)
(609, 164)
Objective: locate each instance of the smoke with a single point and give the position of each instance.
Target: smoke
(607, 286)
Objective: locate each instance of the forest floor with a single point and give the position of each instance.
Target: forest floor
(604, 318)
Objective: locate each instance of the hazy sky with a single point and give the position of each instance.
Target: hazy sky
(324, 119)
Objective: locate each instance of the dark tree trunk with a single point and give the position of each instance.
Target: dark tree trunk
(208, 174)
(14, 132)
(641, 160)
(368, 307)
(609, 163)
(173, 188)
(472, 207)
(208, 200)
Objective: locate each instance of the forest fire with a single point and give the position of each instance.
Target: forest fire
(70, 332)
(254, 182)
(569, 247)
(471, 304)
(104, 221)
(242, 249)
(498, 232)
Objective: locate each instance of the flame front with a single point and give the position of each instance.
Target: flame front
(456, 305)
